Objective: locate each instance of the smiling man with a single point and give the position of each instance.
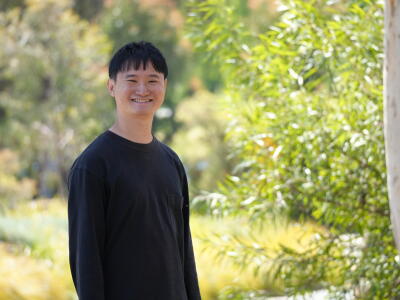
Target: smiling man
(128, 203)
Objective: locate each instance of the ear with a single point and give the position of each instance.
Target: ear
(165, 82)
(111, 86)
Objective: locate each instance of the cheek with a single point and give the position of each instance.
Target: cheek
(121, 86)
(125, 89)
(159, 92)
(122, 93)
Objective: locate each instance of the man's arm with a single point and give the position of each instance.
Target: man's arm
(86, 229)
(191, 282)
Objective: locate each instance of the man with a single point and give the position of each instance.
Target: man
(128, 205)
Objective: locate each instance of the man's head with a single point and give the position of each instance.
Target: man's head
(133, 55)
(138, 79)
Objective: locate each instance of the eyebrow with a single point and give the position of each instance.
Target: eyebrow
(134, 75)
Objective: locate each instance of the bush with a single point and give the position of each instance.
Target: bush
(12, 189)
(306, 124)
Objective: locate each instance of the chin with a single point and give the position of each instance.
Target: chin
(142, 113)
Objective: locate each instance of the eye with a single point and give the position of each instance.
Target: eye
(132, 81)
(153, 81)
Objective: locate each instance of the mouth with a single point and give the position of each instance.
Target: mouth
(136, 100)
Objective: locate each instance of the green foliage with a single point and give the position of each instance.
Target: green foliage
(202, 126)
(34, 245)
(88, 9)
(306, 126)
(7, 4)
(23, 277)
(247, 252)
(52, 87)
(13, 190)
(34, 252)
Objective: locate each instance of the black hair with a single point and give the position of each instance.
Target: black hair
(135, 54)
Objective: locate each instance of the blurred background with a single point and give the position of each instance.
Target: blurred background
(274, 106)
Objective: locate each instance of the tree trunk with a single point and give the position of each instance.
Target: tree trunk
(392, 109)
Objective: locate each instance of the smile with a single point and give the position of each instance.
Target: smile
(141, 100)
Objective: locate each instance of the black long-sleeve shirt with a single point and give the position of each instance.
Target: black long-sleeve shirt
(128, 212)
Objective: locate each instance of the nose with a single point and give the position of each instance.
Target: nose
(141, 89)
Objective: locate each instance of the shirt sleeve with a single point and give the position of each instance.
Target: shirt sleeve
(86, 230)
(191, 281)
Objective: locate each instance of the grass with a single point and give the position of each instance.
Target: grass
(226, 241)
(25, 277)
(34, 252)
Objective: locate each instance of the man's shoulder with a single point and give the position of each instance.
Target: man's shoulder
(93, 157)
(170, 152)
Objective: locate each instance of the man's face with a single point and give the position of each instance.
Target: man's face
(138, 92)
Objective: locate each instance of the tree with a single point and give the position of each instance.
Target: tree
(307, 130)
(88, 9)
(52, 94)
(392, 109)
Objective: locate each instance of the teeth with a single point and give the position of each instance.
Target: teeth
(141, 100)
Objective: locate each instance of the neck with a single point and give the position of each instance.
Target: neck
(135, 129)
